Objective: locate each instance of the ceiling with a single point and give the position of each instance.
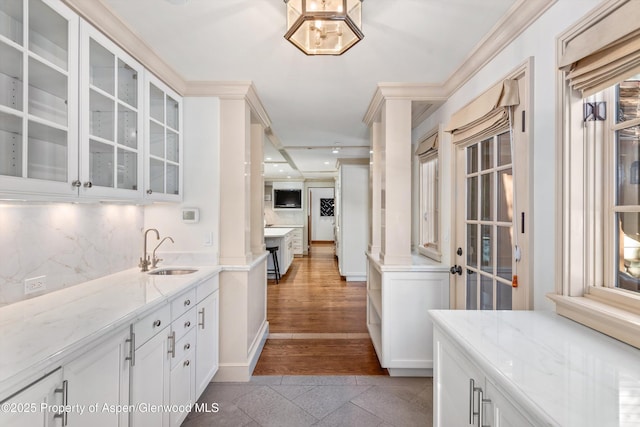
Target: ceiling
(315, 103)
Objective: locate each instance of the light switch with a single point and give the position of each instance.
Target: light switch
(208, 238)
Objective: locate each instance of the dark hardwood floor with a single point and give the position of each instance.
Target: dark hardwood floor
(317, 321)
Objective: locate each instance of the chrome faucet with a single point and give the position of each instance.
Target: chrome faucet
(154, 259)
(144, 261)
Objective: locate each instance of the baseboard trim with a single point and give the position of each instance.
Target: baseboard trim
(256, 348)
(401, 372)
(241, 372)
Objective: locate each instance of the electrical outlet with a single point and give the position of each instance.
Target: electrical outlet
(35, 284)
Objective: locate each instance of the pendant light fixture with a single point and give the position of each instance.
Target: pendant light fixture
(324, 27)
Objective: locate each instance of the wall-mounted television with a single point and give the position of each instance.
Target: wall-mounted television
(287, 198)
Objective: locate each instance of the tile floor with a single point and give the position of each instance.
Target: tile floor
(298, 401)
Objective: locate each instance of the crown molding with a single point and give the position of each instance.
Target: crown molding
(231, 90)
(102, 17)
(517, 19)
(408, 91)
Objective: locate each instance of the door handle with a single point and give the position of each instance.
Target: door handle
(456, 269)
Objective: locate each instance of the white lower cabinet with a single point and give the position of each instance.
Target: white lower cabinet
(207, 341)
(464, 395)
(88, 391)
(397, 318)
(97, 384)
(150, 381)
(25, 409)
(183, 379)
(175, 365)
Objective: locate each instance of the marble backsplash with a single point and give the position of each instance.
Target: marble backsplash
(282, 217)
(68, 243)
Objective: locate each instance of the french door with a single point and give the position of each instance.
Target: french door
(488, 271)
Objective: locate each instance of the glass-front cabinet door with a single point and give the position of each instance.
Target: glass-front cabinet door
(164, 127)
(38, 97)
(111, 148)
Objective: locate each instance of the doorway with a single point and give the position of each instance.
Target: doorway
(321, 215)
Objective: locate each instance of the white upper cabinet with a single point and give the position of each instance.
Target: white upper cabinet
(111, 93)
(38, 97)
(164, 149)
(79, 117)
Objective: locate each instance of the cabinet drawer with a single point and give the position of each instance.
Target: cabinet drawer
(185, 323)
(150, 325)
(184, 347)
(207, 287)
(183, 303)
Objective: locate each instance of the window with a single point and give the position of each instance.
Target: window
(625, 174)
(427, 151)
(599, 196)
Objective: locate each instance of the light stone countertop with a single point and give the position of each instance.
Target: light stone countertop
(569, 374)
(419, 263)
(276, 232)
(42, 333)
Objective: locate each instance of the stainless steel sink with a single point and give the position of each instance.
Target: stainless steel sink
(172, 271)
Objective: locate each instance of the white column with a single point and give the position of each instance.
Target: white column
(396, 182)
(235, 189)
(375, 190)
(257, 190)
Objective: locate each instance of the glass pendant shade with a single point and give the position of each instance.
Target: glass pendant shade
(324, 27)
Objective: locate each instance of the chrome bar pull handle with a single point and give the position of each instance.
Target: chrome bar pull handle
(65, 401)
(201, 323)
(132, 348)
(172, 339)
(481, 403)
(472, 392)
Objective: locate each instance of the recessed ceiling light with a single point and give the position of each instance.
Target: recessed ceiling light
(326, 163)
(267, 158)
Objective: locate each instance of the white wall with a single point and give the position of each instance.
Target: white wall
(321, 226)
(69, 243)
(538, 41)
(201, 187)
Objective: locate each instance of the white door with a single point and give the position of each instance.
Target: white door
(100, 377)
(486, 271)
(30, 407)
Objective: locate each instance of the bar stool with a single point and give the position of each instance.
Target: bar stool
(273, 250)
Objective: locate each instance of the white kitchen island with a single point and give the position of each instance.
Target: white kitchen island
(283, 239)
(530, 368)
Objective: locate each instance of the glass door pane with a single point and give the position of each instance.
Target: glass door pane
(156, 172)
(47, 153)
(489, 260)
(47, 93)
(11, 20)
(101, 157)
(101, 67)
(11, 77)
(48, 34)
(10, 145)
(127, 84)
(156, 101)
